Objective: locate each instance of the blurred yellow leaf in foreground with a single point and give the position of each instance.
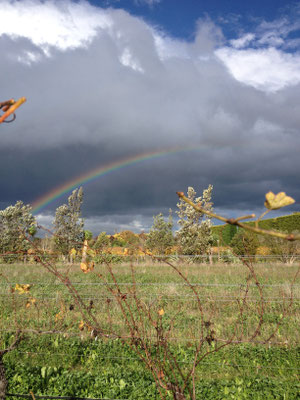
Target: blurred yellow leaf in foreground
(86, 267)
(22, 288)
(161, 312)
(73, 252)
(81, 325)
(30, 302)
(276, 201)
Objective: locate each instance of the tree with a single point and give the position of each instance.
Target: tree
(129, 238)
(15, 222)
(160, 238)
(245, 243)
(284, 250)
(68, 226)
(194, 235)
(101, 242)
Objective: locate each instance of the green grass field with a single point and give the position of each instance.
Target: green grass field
(69, 362)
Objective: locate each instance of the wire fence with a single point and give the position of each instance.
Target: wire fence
(174, 298)
(174, 283)
(24, 256)
(151, 338)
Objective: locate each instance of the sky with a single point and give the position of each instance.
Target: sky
(114, 80)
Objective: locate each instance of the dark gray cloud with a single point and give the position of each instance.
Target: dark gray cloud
(128, 89)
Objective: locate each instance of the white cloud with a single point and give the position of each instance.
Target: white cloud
(67, 25)
(169, 86)
(96, 224)
(265, 69)
(128, 60)
(116, 223)
(150, 3)
(278, 33)
(62, 24)
(242, 41)
(104, 85)
(168, 47)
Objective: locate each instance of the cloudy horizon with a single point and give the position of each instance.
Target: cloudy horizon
(104, 83)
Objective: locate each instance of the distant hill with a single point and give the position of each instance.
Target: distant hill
(286, 223)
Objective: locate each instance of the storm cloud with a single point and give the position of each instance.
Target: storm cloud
(103, 85)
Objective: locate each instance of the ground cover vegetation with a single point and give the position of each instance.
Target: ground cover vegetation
(186, 329)
(65, 360)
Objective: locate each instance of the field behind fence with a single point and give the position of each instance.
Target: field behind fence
(62, 355)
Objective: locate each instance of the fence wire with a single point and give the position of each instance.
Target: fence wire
(149, 338)
(175, 298)
(199, 284)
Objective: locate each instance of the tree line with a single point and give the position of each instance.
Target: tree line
(195, 237)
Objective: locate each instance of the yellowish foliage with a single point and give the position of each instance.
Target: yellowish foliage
(161, 312)
(21, 289)
(73, 252)
(81, 325)
(279, 200)
(219, 249)
(59, 316)
(263, 251)
(87, 266)
(30, 302)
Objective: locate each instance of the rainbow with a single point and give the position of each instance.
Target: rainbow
(95, 173)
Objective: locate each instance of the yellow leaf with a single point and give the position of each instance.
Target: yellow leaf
(22, 288)
(83, 267)
(276, 201)
(30, 302)
(91, 252)
(59, 316)
(86, 267)
(161, 312)
(81, 325)
(73, 252)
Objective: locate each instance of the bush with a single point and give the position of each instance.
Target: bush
(245, 243)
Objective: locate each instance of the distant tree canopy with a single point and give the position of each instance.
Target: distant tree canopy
(195, 236)
(160, 238)
(68, 224)
(102, 241)
(286, 223)
(245, 243)
(15, 222)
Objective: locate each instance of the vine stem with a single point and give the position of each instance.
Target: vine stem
(236, 221)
